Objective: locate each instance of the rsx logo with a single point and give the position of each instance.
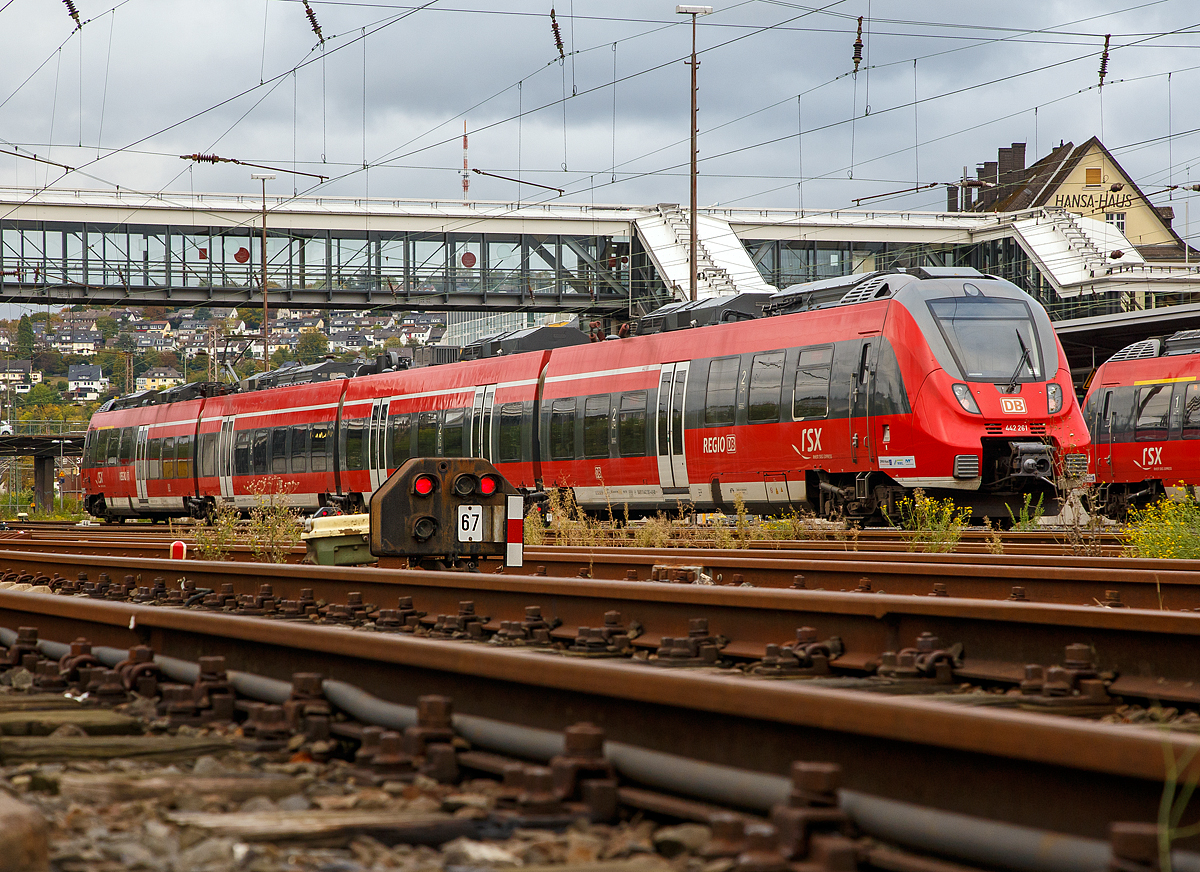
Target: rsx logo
(1151, 457)
(810, 439)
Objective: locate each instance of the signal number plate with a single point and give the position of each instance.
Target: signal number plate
(470, 523)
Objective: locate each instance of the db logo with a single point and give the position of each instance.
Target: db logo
(1012, 405)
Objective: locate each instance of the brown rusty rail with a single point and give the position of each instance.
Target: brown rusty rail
(972, 760)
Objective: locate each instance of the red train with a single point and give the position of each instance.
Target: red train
(1143, 410)
(838, 397)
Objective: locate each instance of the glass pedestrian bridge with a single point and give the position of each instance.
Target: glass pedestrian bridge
(123, 248)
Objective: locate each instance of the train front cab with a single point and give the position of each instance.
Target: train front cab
(995, 413)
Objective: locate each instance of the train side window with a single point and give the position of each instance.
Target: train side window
(510, 432)
(126, 456)
(207, 454)
(427, 427)
(241, 453)
(452, 433)
(168, 457)
(183, 453)
(279, 452)
(595, 426)
(766, 385)
(631, 424)
(810, 399)
(319, 444)
(1153, 407)
(721, 393)
(154, 459)
(1191, 412)
(111, 443)
(354, 431)
(562, 430)
(400, 445)
(259, 451)
(299, 448)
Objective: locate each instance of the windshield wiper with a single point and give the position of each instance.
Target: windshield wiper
(1025, 359)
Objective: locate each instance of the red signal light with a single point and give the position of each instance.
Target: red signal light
(488, 485)
(423, 485)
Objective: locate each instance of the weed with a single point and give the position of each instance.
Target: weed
(535, 527)
(274, 529)
(1168, 529)
(1029, 516)
(215, 541)
(995, 544)
(936, 525)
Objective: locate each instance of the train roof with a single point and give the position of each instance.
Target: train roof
(1182, 342)
(526, 339)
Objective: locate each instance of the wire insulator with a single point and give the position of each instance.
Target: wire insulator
(204, 158)
(558, 43)
(1104, 59)
(858, 45)
(73, 12)
(312, 21)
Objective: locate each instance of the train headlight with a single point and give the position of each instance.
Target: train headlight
(1054, 398)
(963, 394)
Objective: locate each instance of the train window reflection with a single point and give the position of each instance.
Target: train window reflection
(279, 452)
(562, 430)
(510, 432)
(1153, 405)
(810, 398)
(766, 384)
(991, 339)
(722, 391)
(299, 448)
(400, 445)
(154, 459)
(595, 426)
(354, 431)
(1191, 412)
(319, 443)
(183, 450)
(452, 433)
(631, 424)
(241, 454)
(427, 427)
(259, 451)
(208, 454)
(168, 457)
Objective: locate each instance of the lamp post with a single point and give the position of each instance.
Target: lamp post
(695, 12)
(266, 331)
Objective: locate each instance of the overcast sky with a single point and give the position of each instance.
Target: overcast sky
(147, 80)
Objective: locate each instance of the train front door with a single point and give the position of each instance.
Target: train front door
(862, 446)
(1103, 428)
(377, 444)
(672, 459)
(140, 466)
(225, 459)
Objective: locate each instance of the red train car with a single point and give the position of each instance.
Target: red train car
(1143, 410)
(844, 397)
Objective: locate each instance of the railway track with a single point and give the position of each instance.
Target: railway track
(1106, 581)
(896, 747)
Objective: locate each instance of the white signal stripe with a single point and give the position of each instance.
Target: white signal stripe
(514, 552)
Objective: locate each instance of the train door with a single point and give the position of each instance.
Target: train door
(140, 467)
(1103, 428)
(672, 461)
(377, 444)
(862, 446)
(481, 421)
(225, 458)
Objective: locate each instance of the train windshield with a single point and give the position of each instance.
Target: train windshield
(991, 339)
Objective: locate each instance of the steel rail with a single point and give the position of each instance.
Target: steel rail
(1153, 651)
(976, 761)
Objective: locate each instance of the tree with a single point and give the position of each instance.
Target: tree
(40, 395)
(312, 347)
(125, 342)
(24, 338)
(50, 363)
(154, 313)
(108, 327)
(252, 319)
(280, 356)
(204, 314)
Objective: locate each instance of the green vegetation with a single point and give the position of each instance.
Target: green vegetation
(1168, 529)
(937, 525)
